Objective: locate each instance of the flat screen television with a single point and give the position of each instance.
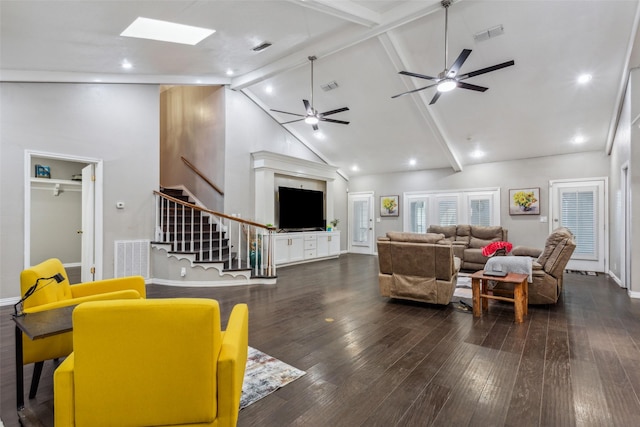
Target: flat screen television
(300, 209)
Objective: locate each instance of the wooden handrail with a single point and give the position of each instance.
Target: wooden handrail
(198, 208)
(201, 175)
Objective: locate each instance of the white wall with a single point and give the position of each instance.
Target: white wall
(116, 123)
(537, 172)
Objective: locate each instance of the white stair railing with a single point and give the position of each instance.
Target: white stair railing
(214, 236)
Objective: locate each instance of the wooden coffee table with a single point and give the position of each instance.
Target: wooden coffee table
(481, 296)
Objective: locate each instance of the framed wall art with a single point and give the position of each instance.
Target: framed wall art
(389, 206)
(524, 201)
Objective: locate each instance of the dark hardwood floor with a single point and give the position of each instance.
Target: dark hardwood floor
(371, 361)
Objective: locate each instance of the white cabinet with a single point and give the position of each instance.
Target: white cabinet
(291, 248)
(328, 244)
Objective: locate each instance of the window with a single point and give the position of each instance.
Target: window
(421, 209)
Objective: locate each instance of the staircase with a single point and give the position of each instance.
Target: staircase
(194, 246)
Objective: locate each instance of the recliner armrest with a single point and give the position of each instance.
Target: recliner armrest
(231, 365)
(110, 285)
(526, 251)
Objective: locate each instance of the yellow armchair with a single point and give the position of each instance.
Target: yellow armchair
(49, 295)
(152, 362)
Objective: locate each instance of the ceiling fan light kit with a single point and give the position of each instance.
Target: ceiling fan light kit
(313, 117)
(449, 78)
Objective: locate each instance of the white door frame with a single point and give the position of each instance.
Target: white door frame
(370, 250)
(603, 213)
(98, 212)
(625, 229)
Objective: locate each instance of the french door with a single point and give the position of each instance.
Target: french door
(361, 229)
(581, 206)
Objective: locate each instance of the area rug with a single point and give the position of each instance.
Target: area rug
(264, 375)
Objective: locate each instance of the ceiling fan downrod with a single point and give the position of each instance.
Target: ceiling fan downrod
(446, 4)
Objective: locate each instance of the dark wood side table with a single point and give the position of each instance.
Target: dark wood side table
(481, 296)
(36, 326)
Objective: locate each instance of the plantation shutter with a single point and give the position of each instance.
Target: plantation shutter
(448, 211)
(418, 216)
(578, 214)
(480, 211)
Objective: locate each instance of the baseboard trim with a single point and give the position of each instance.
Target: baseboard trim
(214, 284)
(633, 294)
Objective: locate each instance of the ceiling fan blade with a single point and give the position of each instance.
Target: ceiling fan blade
(286, 112)
(292, 121)
(315, 127)
(453, 71)
(412, 91)
(339, 110)
(486, 70)
(420, 76)
(307, 107)
(335, 121)
(464, 85)
(435, 98)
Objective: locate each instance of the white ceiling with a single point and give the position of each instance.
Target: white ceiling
(532, 109)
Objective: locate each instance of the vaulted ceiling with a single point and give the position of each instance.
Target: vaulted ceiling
(534, 108)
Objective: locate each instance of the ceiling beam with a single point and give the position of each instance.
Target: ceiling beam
(396, 17)
(398, 58)
(346, 10)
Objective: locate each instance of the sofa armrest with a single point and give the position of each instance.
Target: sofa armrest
(126, 294)
(231, 365)
(526, 251)
(64, 393)
(110, 285)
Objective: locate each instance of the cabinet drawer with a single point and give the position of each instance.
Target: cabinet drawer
(309, 253)
(310, 237)
(309, 244)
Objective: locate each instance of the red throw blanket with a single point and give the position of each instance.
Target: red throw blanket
(491, 248)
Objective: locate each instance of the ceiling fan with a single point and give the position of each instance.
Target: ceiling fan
(449, 79)
(313, 117)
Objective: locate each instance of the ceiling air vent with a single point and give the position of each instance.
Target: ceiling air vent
(261, 47)
(329, 86)
(496, 31)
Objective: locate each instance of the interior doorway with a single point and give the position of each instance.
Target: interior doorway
(63, 212)
(361, 225)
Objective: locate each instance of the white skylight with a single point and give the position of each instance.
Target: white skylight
(152, 29)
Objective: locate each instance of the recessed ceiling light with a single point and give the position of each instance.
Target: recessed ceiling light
(355, 168)
(578, 139)
(412, 162)
(269, 89)
(153, 29)
(126, 65)
(584, 78)
(229, 72)
(319, 135)
(476, 154)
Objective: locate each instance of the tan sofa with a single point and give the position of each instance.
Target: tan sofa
(549, 265)
(414, 267)
(468, 241)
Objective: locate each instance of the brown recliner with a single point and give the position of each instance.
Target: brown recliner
(414, 267)
(548, 268)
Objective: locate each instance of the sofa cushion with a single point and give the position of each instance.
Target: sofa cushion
(492, 233)
(475, 256)
(398, 236)
(481, 243)
(463, 233)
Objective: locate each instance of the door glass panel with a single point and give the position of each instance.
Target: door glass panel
(578, 214)
(361, 221)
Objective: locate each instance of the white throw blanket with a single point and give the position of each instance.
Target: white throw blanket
(511, 264)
